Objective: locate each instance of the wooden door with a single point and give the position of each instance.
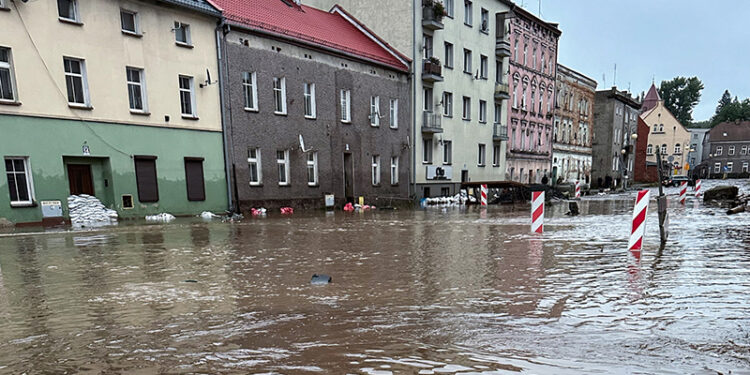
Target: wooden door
(80, 179)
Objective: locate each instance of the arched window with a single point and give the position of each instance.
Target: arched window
(649, 149)
(664, 149)
(677, 149)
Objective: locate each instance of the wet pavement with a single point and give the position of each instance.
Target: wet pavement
(434, 291)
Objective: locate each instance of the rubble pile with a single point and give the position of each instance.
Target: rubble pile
(87, 211)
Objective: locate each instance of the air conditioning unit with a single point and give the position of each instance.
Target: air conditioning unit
(444, 172)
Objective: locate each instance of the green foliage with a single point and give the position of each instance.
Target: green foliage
(726, 99)
(732, 111)
(680, 96)
(700, 124)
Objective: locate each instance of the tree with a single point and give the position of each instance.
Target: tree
(726, 98)
(732, 111)
(680, 96)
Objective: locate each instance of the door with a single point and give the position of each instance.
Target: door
(348, 177)
(80, 180)
(464, 176)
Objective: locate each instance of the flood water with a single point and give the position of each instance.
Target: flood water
(433, 291)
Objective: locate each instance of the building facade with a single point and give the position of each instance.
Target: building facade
(88, 107)
(533, 66)
(726, 151)
(666, 133)
(615, 135)
(459, 90)
(695, 154)
(318, 104)
(573, 132)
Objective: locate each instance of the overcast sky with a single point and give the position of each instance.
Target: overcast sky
(658, 40)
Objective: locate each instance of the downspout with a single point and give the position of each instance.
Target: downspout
(228, 156)
(413, 193)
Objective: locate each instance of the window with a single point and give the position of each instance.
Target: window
(485, 27)
(375, 110)
(498, 71)
(743, 150)
(481, 156)
(136, 89)
(719, 150)
(729, 167)
(533, 99)
(498, 113)
(427, 150)
(615, 163)
(717, 167)
(427, 46)
(447, 152)
(309, 91)
(312, 168)
(525, 52)
(346, 110)
(427, 96)
(483, 68)
(394, 170)
(744, 166)
(254, 166)
(250, 90)
(447, 104)
(282, 162)
(496, 155)
(730, 151)
(678, 149)
(523, 99)
(448, 55)
(145, 177)
(182, 34)
(467, 61)
(68, 10)
(533, 57)
(515, 51)
(541, 99)
(75, 80)
(468, 12)
(279, 95)
(394, 114)
(18, 173)
(650, 150)
(376, 170)
(196, 190)
(482, 111)
(7, 79)
(664, 149)
(515, 94)
(187, 96)
(129, 22)
(466, 114)
(449, 8)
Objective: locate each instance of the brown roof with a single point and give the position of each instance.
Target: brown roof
(734, 130)
(652, 99)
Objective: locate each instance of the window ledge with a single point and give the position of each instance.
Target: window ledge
(251, 110)
(69, 21)
(80, 106)
(426, 162)
(495, 165)
(279, 113)
(184, 45)
(9, 102)
(468, 24)
(130, 33)
(394, 185)
(311, 117)
(346, 122)
(4, 9)
(285, 185)
(448, 67)
(483, 122)
(447, 116)
(188, 117)
(375, 185)
(140, 113)
(393, 127)
(481, 165)
(485, 32)
(466, 119)
(313, 185)
(256, 185)
(374, 126)
(448, 163)
(23, 204)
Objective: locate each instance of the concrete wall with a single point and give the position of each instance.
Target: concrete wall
(325, 134)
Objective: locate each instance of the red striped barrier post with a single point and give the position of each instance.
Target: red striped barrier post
(537, 212)
(683, 192)
(578, 188)
(639, 220)
(697, 188)
(484, 194)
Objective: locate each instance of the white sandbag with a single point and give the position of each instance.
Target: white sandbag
(162, 217)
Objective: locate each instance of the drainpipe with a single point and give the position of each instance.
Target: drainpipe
(228, 156)
(414, 101)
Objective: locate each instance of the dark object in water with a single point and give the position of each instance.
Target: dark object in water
(721, 193)
(191, 281)
(573, 207)
(320, 279)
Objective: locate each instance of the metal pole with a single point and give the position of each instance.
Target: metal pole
(661, 200)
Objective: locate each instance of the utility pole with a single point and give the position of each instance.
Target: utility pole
(661, 200)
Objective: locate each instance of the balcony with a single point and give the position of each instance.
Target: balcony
(432, 71)
(502, 92)
(502, 47)
(432, 15)
(500, 133)
(431, 123)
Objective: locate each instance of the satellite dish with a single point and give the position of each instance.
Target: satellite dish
(302, 144)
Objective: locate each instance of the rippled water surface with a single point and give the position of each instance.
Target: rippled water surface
(435, 291)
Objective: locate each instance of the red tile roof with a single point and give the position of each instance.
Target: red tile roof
(335, 30)
(651, 99)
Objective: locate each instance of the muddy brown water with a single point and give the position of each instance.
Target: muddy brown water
(434, 291)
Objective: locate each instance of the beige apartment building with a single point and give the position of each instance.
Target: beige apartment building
(665, 133)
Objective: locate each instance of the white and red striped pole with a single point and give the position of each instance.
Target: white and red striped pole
(683, 192)
(578, 188)
(483, 194)
(639, 220)
(697, 188)
(537, 212)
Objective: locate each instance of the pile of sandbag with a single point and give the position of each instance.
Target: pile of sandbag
(456, 200)
(87, 211)
(162, 217)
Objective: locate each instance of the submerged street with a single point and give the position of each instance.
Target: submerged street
(432, 291)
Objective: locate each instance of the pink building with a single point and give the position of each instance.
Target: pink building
(532, 70)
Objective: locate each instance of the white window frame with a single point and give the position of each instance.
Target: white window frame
(447, 104)
(719, 150)
(481, 155)
(250, 87)
(76, 13)
(650, 149)
(136, 23)
(447, 152)
(730, 167)
(311, 110)
(483, 66)
(84, 82)
(495, 155)
(279, 95)
(188, 42)
(744, 166)
(448, 54)
(29, 181)
(312, 166)
(427, 150)
(394, 170)
(393, 113)
(482, 112)
(730, 150)
(466, 108)
(375, 111)
(140, 86)
(258, 166)
(468, 13)
(449, 6)
(191, 92)
(717, 167)
(663, 149)
(677, 148)
(743, 150)
(11, 75)
(346, 105)
(375, 170)
(467, 61)
(285, 163)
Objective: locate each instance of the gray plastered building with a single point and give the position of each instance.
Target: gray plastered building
(613, 147)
